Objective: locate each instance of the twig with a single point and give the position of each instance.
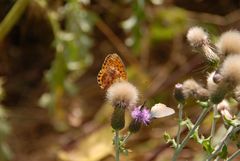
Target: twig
(163, 80)
(12, 17)
(102, 26)
(216, 19)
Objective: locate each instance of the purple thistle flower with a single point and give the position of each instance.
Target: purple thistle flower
(141, 114)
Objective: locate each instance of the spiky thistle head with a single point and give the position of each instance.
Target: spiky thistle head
(230, 78)
(178, 93)
(140, 115)
(230, 69)
(198, 39)
(122, 93)
(143, 115)
(191, 88)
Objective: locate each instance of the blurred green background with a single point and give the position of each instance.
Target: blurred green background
(51, 51)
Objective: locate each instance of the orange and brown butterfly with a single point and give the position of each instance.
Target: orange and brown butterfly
(112, 70)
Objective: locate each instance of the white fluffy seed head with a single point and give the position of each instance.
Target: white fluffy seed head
(197, 36)
(189, 87)
(230, 69)
(192, 89)
(123, 94)
(228, 43)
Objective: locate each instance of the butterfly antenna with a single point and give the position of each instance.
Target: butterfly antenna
(143, 105)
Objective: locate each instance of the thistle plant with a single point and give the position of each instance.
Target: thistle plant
(216, 96)
(123, 96)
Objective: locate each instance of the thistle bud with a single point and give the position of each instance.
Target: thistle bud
(178, 93)
(217, 77)
(141, 115)
(134, 126)
(118, 118)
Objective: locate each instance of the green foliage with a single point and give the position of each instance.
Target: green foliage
(79, 23)
(170, 140)
(134, 25)
(206, 143)
(168, 24)
(72, 44)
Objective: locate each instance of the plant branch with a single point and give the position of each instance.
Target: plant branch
(219, 147)
(237, 153)
(114, 39)
(12, 17)
(190, 133)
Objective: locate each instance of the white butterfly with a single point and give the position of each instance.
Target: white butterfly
(160, 110)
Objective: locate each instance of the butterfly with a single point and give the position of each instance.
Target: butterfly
(160, 110)
(112, 70)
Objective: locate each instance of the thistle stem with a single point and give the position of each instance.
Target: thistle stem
(224, 140)
(190, 133)
(215, 113)
(237, 153)
(222, 143)
(180, 115)
(116, 142)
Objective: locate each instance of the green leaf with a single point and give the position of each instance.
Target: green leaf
(234, 122)
(206, 143)
(187, 123)
(223, 154)
(203, 104)
(170, 140)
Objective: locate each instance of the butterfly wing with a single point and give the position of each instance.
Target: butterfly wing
(114, 62)
(112, 69)
(160, 110)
